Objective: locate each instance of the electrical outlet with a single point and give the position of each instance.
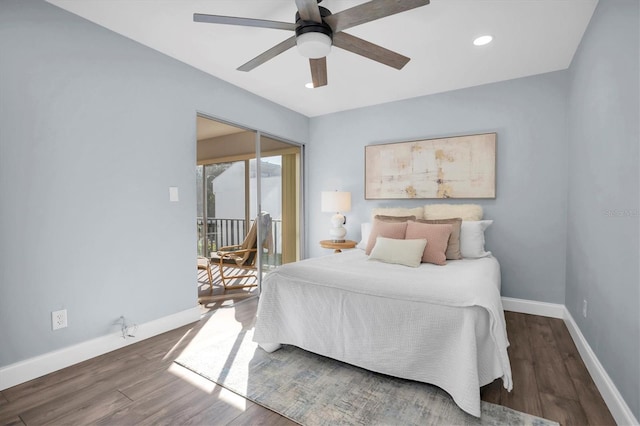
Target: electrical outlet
(58, 319)
(584, 308)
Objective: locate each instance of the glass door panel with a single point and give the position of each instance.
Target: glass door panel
(226, 194)
(279, 181)
(270, 204)
(221, 201)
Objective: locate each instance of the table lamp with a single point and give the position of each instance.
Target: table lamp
(336, 202)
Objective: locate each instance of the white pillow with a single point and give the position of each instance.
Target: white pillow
(472, 238)
(401, 252)
(365, 230)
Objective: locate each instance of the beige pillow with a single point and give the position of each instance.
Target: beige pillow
(401, 252)
(418, 212)
(453, 246)
(447, 211)
(385, 229)
(437, 237)
(394, 218)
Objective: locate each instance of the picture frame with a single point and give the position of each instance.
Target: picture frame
(450, 167)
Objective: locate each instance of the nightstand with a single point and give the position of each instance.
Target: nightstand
(337, 247)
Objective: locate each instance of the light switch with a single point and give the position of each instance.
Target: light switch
(173, 194)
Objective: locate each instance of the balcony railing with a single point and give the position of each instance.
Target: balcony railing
(227, 232)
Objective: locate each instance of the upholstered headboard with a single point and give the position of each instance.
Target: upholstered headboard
(446, 211)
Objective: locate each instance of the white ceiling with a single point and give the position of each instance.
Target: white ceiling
(530, 37)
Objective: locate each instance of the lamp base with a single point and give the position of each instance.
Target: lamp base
(337, 231)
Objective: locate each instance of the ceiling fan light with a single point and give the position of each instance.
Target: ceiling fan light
(482, 40)
(314, 45)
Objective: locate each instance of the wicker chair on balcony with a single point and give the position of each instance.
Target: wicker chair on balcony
(243, 256)
(203, 264)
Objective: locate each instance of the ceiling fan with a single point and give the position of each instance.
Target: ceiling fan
(317, 29)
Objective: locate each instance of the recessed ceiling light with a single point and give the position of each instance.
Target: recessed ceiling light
(482, 40)
(309, 85)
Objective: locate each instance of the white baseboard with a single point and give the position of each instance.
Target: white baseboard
(616, 404)
(32, 368)
(552, 310)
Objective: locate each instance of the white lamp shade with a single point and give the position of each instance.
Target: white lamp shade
(336, 201)
(313, 45)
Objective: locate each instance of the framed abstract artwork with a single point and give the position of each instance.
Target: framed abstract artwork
(453, 167)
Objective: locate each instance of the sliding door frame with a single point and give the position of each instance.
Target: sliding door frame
(258, 154)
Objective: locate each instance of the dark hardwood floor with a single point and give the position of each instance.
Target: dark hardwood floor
(140, 384)
(550, 379)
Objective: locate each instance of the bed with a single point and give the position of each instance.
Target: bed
(442, 325)
(438, 321)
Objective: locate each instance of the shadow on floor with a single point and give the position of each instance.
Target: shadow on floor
(212, 299)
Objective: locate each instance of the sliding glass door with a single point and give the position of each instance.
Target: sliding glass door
(243, 176)
(277, 190)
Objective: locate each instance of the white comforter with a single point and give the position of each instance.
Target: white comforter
(442, 325)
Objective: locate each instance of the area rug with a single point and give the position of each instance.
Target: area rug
(314, 390)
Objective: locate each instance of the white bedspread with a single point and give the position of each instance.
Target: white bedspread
(442, 325)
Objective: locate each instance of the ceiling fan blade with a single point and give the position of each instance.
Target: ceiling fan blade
(369, 50)
(308, 10)
(247, 22)
(318, 71)
(269, 54)
(370, 11)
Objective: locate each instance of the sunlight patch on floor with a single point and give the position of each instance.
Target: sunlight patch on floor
(233, 399)
(174, 347)
(233, 326)
(189, 376)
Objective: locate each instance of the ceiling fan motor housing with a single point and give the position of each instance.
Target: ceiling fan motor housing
(314, 39)
(324, 12)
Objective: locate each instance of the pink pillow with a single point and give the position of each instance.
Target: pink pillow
(437, 239)
(393, 230)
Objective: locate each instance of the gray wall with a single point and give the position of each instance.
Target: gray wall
(528, 235)
(94, 128)
(603, 208)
